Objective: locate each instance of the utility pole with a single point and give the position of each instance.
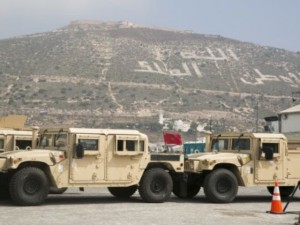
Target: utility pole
(259, 98)
(256, 124)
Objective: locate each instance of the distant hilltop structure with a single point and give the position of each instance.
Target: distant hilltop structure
(86, 22)
(125, 24)
(120, 24)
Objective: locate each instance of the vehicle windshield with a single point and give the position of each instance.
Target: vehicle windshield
(219, 144)
(53, 141)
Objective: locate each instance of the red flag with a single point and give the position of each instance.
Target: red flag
(172, 139)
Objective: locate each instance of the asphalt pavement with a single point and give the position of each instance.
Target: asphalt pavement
(98, 206)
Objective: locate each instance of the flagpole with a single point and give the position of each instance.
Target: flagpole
(165, 141)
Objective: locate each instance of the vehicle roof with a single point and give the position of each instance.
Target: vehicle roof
(269, 135)
(256, 135)
(95, 131)
(4, 131)
(102, 131)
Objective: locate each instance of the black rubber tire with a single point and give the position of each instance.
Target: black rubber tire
(57, 191)
(220, 186)
(4, 192)
(156, 185)
(122, 192)
(4, 188)
(29, 186)
(192, 190)
(285, 191)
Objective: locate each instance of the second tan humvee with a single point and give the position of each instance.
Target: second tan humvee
(243, 159)
(80, 157)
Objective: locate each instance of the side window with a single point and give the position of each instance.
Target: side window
(23, 144)
(267, 151)
(131, 145)
(240, 144)
(219, 144)
(46, 141)
(272, 146)
(127, 146)
(89, 144)
(120, 145)
(1, 144)
(142, 146)
(60, 140)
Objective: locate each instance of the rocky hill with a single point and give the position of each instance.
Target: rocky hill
(100, 74)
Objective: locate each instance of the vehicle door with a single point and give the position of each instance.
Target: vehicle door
(269, 164)
(89, 167)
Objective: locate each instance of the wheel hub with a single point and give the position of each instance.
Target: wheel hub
(157, 186)
(31, 187)
(223, 186)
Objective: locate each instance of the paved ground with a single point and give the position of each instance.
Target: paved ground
(97, 206)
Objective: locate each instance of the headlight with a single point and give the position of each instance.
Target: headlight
(57, 156)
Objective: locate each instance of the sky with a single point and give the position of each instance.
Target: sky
(273, 23)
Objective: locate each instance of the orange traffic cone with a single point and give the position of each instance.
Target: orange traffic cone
(276, 206)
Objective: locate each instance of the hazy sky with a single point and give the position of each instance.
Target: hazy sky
(273, 23)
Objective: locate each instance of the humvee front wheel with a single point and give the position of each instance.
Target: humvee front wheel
(220, 186)
(122, 192)
(156, 185)
(29, 186)
(285, 191)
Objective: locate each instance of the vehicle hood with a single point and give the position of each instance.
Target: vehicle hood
(11, 160)
(210, 159)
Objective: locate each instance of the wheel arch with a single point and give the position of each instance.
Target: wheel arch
(41, 165)
(161, 165)
(232, 168)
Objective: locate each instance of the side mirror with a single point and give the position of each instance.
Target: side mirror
(79, 151)
(269, 153)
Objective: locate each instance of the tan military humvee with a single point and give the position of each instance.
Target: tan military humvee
(79, 157)
(247, 159)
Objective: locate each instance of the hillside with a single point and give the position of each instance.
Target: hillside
(91, 73)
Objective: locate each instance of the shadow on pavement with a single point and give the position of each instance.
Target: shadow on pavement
(82, 199)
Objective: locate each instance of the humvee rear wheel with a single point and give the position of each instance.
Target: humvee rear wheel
(220, 186)
(156, 185)
(284, 191)
(29, 186)
(122, 192)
